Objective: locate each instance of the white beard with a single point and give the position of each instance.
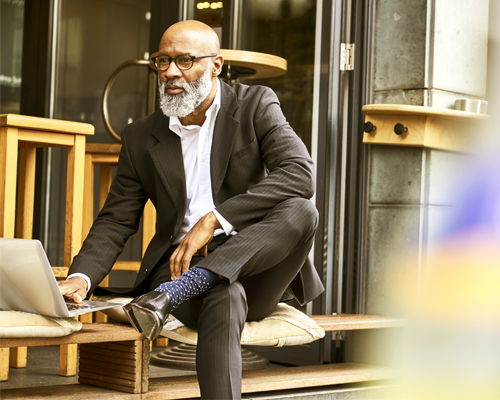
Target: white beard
(182, 104)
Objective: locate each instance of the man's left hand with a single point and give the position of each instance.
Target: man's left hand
(195, 241)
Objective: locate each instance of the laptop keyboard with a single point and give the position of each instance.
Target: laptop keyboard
(74, 306)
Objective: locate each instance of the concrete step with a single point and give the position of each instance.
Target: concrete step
(339, 392)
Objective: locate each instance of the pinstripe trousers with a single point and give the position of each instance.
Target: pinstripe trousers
(259, 262)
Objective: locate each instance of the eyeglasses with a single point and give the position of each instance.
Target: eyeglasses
(183, 62)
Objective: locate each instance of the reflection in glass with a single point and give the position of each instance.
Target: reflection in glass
(11, 55)
(208, 12)
(94, 37)
(285, 28)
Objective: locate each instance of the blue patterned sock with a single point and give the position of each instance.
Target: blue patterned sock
(191, 283)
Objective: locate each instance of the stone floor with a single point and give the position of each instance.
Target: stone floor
(43, 370)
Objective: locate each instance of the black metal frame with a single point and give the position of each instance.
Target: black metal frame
(163, 14)
(35, 88)
(356, 168)
(339, 254)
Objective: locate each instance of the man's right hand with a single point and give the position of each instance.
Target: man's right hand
(74, 288)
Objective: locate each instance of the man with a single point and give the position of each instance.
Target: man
(215, 156)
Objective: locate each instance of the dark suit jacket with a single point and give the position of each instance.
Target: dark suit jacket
(257, 161)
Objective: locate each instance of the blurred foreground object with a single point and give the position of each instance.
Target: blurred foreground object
(450, 348)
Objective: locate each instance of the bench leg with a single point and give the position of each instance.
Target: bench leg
(162, 342)
(18, 357)
(67, 359)
(100, 317)
(122, 366)
(86, 318)
(4, 364)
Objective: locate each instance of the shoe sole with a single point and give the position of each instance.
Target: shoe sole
(131, 318)
(144, 321)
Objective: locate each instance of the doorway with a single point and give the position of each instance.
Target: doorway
(88, 39)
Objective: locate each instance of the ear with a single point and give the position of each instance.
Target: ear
(218, 62)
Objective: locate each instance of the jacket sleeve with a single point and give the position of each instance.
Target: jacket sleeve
(290, 168)
(116, 222)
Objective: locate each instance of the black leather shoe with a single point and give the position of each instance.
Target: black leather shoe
(149, 312)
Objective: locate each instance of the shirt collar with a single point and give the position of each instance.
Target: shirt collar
(176, 126)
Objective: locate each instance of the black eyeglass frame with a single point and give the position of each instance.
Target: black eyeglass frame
(170, 59)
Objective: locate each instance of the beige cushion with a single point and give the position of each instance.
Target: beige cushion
(17, 324)
(286, 326)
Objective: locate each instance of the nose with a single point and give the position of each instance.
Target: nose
(172, 72)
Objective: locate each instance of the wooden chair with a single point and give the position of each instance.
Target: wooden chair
(106, 156)
(23, 135)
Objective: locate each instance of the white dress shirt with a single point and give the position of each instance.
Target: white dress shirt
(196, 144)
(196, 149)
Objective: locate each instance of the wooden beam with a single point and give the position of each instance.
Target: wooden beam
(8, 175)
(182, 387)
(350, 322)
(90, 333)
(4, 364)
(46, 124)
(449, 130)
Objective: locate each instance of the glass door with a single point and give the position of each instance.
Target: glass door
(12, 17)
(91, 38)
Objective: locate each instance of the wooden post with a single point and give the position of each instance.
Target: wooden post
(105, 179)
(19, 357)
(4, 364)
(73, 232)
(88, 197)
(67, 359)
(26, 192)
(24, 222)
(74, 200)
(8, 175)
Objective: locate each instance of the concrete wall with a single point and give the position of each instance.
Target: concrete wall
(429, 52)
(426, 53)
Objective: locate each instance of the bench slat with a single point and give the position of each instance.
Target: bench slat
(181, 387)
(90, 333)
(113, 332)
(65, 392)
(350, 322)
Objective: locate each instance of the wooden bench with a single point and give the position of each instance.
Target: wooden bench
(113, 356)
(116, 357)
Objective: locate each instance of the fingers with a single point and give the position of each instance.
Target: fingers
(74, 289)
(195, 241)
(180, 260)
(76, 298)
(185, 265)
(203, 252)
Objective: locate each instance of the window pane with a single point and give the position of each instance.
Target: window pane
(285, 28)
(12, 15)
(94, 38)
(208, 12)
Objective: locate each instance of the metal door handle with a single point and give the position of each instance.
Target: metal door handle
(107, 88)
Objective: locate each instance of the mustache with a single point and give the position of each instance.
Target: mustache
(177, 83)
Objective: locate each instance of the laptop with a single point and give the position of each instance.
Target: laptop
(27, 282)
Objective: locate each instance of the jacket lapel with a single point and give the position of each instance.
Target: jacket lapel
(223, 139)
(167, 158)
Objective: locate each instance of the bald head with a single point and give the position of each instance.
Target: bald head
(198, 40)
(193, 34)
